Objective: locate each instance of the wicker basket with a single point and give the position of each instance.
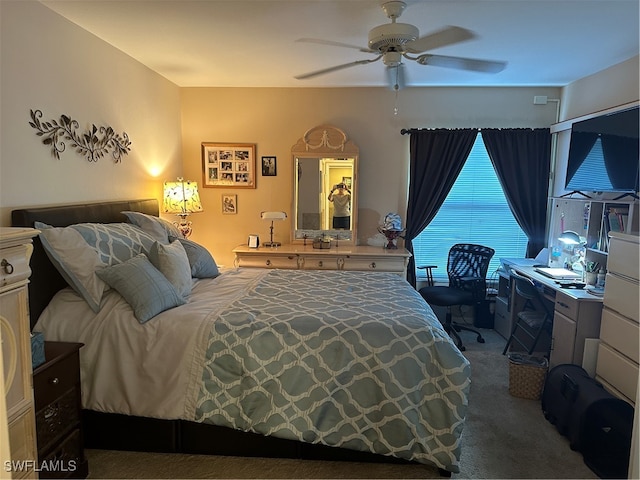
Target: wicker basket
(527, 375)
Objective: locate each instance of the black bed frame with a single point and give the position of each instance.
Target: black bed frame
(123, 432)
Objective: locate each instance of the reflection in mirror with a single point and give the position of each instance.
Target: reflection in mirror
(325, 187)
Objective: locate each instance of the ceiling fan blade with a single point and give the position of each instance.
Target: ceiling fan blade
(396, 77)
(440, 38)
(335, 68)
(333, 44)
(473, 64)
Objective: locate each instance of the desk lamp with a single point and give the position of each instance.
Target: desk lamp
(569, 237)
(182, 198)
(272, 216)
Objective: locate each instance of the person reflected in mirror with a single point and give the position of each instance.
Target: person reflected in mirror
(341, 197)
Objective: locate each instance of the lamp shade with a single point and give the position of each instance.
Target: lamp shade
(181, 197)
(273, 215)
(569, 237)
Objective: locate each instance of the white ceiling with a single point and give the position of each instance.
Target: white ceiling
(251, 43)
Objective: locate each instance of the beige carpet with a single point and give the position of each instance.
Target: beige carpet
(504, 437)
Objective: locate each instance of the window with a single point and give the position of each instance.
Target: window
(475, 211)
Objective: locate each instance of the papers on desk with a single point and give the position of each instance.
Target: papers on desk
(558, 273)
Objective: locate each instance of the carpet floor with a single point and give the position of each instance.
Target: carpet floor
(504, 437)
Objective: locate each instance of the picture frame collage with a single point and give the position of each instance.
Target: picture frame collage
(233, 165)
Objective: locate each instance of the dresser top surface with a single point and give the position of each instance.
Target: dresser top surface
(296, 249)
(11, 234)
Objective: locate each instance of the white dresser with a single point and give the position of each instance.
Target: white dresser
(15, 253)
(617, 366)
(305, 257)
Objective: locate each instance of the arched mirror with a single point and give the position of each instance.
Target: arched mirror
(325, 187)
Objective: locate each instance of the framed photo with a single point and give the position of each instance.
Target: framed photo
(269, 167)
(229, 165)
(229, 204)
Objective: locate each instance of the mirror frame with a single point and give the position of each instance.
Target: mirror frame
(325, 141)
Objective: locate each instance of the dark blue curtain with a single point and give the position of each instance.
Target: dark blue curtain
(437, 157)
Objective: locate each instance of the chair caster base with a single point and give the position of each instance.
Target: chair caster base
(480, 340)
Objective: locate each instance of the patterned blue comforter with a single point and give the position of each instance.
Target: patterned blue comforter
(349, 359)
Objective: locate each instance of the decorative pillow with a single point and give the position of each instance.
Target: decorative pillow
(78, 250)
(173, 262)
(157, 227)
(202, 263)
(143, 287)
(75, 260)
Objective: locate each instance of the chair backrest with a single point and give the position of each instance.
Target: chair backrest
(528, 290)
(467, 260)
(524, 286)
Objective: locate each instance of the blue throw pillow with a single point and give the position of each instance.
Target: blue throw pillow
(202, 263)
(143, 286)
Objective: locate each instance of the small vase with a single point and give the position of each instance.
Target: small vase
(591, 278)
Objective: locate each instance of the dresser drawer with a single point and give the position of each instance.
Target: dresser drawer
(621, 332)
(16, 349)
(289, 262)
(22, 440)
(617, 370)
(621, 295)
(55, 380)
(566, 305)
(374, 264)
(14, 264)
(322, 262)
(623, 258)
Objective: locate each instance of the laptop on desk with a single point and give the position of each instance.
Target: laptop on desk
(558, 273)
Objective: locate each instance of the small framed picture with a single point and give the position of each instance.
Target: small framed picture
(269, 167)
(229, 204)
(229, 165)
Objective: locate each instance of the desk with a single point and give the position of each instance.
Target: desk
(576, 314)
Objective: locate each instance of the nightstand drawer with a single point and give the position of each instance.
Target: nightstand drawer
(67, 458)
(57, 418)
(53, 381)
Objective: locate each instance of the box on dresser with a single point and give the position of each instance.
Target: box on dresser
(57, 393)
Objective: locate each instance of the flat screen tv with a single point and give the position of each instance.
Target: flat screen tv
(604, 153)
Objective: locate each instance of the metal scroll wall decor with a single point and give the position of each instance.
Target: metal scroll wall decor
(93, 144)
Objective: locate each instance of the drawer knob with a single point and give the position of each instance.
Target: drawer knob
(55, 381)
(373, 265)
(268, 262)
(6, 266)
(320, 263)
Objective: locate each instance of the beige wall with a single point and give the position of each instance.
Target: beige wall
(275, 118)
(50, 64)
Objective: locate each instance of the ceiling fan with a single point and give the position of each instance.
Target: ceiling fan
(393, 42)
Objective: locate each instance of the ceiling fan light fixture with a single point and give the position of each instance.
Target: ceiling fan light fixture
(392, 59)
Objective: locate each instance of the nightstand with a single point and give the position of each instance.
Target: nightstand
(56, 385)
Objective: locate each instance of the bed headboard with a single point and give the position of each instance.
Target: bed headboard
(45, 280)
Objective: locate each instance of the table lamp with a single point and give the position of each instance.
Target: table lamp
(182, 199)
(273, 216)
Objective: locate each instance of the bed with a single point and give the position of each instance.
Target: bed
(244, 361)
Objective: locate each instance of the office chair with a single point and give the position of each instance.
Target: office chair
(534, 319)
(467, 266)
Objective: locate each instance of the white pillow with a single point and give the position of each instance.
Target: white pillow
(76, 261)
(173, 262)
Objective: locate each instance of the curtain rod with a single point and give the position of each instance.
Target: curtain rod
(407, 131)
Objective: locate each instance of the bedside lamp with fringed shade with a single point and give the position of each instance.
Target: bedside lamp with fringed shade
(182, 199)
